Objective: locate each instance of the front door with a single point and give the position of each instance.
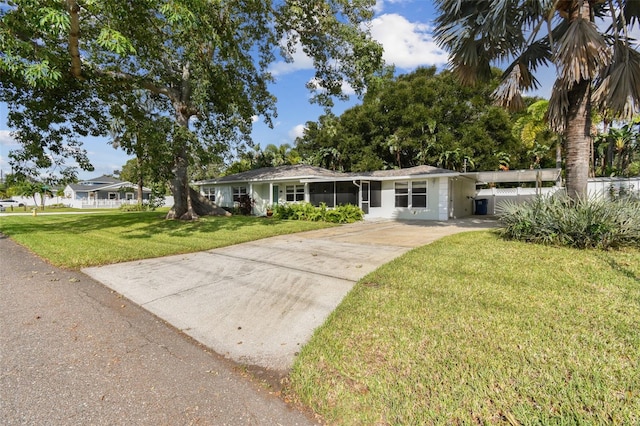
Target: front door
(364, 196)
(275, 195)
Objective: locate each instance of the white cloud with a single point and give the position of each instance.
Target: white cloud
(6, 139)
(346, 88)
(297, 131)
(380, 4)
(406, 44)
(300, 62)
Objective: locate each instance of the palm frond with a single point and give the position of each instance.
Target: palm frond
(581, 52)
(559, 106)
(508, 94)
(618, 86)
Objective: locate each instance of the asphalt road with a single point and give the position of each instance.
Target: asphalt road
(73, 352)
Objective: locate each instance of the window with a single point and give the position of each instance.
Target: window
(419, 194)
(295, 193)
(402, 194)
(130, 196)
(239, 192)
(375, 188)
(113, 196)
(209, 193)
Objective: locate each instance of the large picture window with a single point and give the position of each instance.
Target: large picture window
(295, 193)
(402, 194)
(239, 192)
(419, 194)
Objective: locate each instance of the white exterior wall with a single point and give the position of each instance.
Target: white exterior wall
(462, 192)
(224, 196)
(436, 205)
(261, 193)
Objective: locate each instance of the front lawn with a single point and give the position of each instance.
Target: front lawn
(475, 330)
(78, 241)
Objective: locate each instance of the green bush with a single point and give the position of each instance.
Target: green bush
(135, 207)
(581, 224)
(306, 211)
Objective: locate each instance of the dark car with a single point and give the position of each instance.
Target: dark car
(9, 203)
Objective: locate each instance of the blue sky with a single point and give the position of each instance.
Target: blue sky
(403, 27)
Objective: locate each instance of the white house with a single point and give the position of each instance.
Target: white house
(103, 191)
(422, 192)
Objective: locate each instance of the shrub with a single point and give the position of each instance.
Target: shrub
(133, 207)
(581, 224)
(306, 211)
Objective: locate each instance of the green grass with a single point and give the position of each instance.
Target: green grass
(476, 330)
(77, 241)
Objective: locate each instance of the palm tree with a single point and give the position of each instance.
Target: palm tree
(586, 40)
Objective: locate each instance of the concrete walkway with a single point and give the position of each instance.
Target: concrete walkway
(257, 303)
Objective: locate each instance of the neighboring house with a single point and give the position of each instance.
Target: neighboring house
(421, 192)
(103, 191)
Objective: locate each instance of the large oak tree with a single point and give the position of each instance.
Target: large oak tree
(67, 65)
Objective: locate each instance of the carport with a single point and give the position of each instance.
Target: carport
(514, 185)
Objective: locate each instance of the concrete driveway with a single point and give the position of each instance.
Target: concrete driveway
(259, 302)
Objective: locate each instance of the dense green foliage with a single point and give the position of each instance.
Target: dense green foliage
(617, 151)
(419, 118)
(68, 68)
(473, 330)
(306, 211)
(583, 223)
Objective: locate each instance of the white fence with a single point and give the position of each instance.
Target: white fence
(606, 187)
(495, 196)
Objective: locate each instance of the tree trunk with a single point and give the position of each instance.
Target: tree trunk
(578, 139)
(140, 181)
(188, 204)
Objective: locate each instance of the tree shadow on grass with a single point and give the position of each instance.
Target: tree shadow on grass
(621, 268)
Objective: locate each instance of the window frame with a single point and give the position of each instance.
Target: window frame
(238, 192)
(401, 193)
(296, 192)
(422, 194)
(209, 192)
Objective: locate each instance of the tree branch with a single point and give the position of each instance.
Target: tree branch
(74, 37)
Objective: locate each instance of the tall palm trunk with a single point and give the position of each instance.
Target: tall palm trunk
(578, 138)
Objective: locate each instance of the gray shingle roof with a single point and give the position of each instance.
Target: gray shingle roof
(303, 171)
(412, 171)
(298, 171)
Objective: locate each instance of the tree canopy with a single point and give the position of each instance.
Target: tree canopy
(423, 117)
(68, 66)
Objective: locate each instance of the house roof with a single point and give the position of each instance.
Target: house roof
(101, 183)
(306, 173)
(412, 172)
(298, 171)
(513, 176)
